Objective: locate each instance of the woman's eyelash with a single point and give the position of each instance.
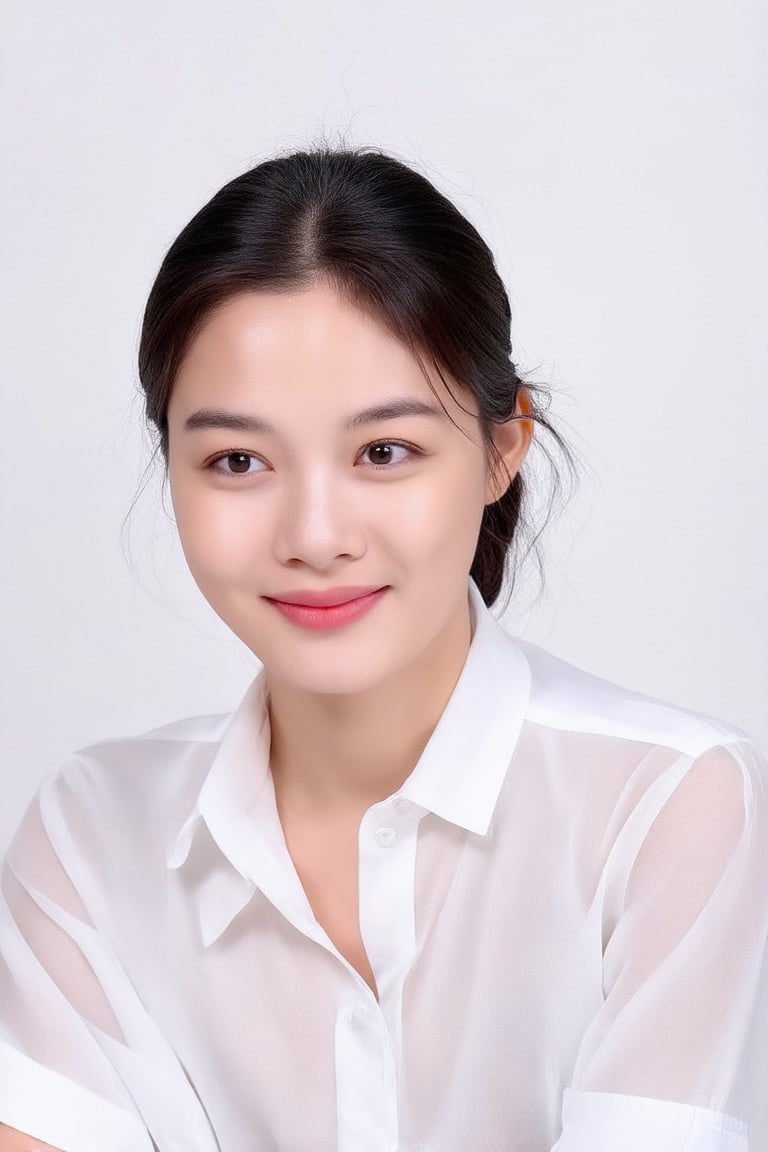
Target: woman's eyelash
(212, 464)
(410, 448)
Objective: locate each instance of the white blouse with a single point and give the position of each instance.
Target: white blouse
(565, 908)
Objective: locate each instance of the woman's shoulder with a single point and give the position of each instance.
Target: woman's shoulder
(631, 753)
(131, 785)
(571, 698)
(180, 744)
(104, 818)
(165, 740)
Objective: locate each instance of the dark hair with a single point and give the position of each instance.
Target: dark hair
(392, 245)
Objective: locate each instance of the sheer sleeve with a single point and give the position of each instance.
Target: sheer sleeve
(82, 1067)
(676, 1058)
(56, 1083)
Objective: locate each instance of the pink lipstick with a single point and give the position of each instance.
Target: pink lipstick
(334, 613)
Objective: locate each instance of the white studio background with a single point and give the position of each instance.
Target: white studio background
(614, 156)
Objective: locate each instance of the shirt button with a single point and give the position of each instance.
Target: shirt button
(385, 836)
(400, 804)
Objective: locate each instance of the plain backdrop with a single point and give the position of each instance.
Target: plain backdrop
(614, 156)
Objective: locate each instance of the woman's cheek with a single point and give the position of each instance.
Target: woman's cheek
(215, 530)
(444, 515)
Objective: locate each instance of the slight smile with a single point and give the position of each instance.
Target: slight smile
(319, 611)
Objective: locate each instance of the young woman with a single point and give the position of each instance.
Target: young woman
(429, 887)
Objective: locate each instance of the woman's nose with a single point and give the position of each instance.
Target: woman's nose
(318, 520)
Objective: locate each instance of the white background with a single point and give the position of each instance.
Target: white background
(613, 155)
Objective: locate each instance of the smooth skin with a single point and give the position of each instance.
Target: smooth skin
(13, 1141)
(350, 709)
(310, 504)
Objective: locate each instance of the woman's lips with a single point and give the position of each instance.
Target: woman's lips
(316, 618)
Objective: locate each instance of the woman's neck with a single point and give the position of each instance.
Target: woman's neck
(352, 750)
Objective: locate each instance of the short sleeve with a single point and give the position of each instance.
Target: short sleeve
(82, 1066)
(676, 1057)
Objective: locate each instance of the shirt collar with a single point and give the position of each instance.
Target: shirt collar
(238, 776)
(236, 805)
(463, 766)
(458, 776)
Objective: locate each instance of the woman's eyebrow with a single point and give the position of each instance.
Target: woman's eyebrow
(241, 422)
(221, 418)
(390, 410)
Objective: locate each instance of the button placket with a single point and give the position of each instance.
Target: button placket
(360, 1013)
(366, 1080)
(387, 834)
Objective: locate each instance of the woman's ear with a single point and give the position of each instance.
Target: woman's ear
(512, 440)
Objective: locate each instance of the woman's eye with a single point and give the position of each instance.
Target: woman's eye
(384, 453)
(236, 464)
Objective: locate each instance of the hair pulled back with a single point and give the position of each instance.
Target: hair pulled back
(384, 237)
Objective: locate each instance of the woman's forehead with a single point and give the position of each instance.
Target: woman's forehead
(302, 347)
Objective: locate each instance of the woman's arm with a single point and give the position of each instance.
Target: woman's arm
(59, 1085)
(677, 1053)
(13, 1141)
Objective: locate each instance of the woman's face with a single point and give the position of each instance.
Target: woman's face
(291, 497)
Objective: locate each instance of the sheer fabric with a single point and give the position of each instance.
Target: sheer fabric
(565, 908)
